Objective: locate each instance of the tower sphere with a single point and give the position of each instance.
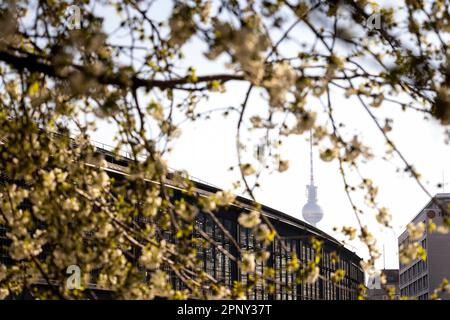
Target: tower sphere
(312, 212)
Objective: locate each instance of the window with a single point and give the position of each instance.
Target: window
(424, 243)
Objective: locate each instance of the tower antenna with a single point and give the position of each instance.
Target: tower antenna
(443, 181)
(311, 157)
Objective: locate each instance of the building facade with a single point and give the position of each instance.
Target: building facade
(378, 291)
(419, 278)
(295, 233)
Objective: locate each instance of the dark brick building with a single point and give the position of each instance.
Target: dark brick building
(296, 235)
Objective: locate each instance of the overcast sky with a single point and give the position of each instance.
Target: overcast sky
(206, 149)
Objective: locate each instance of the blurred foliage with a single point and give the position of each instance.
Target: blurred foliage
(58, 78)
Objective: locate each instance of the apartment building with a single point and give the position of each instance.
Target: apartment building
(419, 278)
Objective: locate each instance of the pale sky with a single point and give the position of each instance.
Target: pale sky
(206, 149)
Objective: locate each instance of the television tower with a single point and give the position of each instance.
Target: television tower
(312, 212)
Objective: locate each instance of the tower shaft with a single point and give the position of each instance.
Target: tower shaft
(312, 212)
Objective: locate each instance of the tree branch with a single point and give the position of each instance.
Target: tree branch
(33, 63)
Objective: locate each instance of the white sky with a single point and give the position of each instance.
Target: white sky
(206, 150)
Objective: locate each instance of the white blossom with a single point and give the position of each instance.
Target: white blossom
(248, 262)
(384, 217)
(3, 293)
(416, 231)
(281, 80)
(312, 275)
(159, 282)
(247, 169)
(221, 292)
(283, 165)
(105, 229)
(247, 45)
(224, 198)
(151, 257)
(49, 180)
(411, 252)
(249, 220)
(264, 234)
(181, 25)
(71, 204)
(2, 272)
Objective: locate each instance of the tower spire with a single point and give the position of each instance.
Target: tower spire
(311, 211)
(311, 157)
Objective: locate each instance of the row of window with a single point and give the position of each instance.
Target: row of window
(423, 296)
(408, 241)
(415, 270)
(416, 287)
(218, 264)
